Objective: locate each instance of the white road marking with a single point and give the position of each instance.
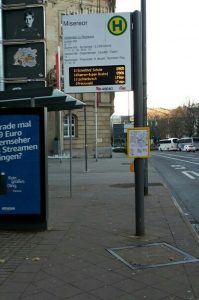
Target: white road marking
(187, 173)
(185, 156)
(191, 174)
(190, 162)
(178, 167)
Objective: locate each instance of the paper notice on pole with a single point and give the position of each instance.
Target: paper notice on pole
(138, 144)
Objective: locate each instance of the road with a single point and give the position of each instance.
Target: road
(180, 171)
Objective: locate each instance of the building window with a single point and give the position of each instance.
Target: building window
(61, 13)
(67, 126)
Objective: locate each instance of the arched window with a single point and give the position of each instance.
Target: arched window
(67, 126)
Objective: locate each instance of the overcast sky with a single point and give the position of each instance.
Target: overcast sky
(172, 53)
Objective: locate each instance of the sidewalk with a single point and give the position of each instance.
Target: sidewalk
(91, 252)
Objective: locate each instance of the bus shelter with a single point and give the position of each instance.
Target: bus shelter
(23, 155)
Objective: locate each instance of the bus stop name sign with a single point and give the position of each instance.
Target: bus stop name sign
(97, 52)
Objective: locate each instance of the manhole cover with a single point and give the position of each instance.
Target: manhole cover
(196, 228)
(151, 255)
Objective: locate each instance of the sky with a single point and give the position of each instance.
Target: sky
(172, 53)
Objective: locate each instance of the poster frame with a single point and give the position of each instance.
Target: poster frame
(31, 221)
(129, 146)
(14, 68)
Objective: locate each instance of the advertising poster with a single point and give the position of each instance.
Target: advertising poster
(17, 3)
(24, 61)
(17, 86)
(20, 164)
(97, 52)
(138, 142)
(29, 24)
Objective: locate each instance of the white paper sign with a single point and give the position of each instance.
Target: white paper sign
(138, 142)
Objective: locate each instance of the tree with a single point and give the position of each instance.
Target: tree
(190, 119)
(176, 123)
(197, 119)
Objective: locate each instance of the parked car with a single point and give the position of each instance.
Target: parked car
(118, 149)
(189, 148)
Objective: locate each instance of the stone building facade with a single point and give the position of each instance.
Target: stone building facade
(98, 134)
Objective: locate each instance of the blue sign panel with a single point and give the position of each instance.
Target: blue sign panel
(20, 161)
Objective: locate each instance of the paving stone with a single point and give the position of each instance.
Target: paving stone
(9, 296)
(70, 261)
(109, 277)
(187, 294)
(108, 292)
(88, 284)
(173, 285)
(130, 285)
(31, 290)
(49, 283)
(127, 297)
(65, 291)
(84, 296)
(40, 296)
(21, 277)
(150, 293)
(17, 287)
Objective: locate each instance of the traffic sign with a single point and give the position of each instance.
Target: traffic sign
(95, 58)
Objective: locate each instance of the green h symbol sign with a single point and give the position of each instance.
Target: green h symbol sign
(117, 25)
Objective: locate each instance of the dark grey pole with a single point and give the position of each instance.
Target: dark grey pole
(138, 118)
(70, 128)
(32, 102)
(144, 70)
(86, 145)
(2, 85)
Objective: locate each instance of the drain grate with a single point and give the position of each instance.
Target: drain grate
(151, 255)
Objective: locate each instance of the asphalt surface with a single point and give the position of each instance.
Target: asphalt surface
(90, 250)
(181, 173)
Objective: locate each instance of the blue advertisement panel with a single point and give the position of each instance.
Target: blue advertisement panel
(20, 164)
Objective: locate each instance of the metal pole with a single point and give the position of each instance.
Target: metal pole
(32, 102)
(86, 146)
(70, 128)
(60, 112)
(96, 138)
(144, 71)
(60, 135)
(138, 118)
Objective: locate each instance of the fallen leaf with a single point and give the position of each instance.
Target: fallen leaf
(36, 258)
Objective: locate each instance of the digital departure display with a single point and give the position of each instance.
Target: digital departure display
(96, 76)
